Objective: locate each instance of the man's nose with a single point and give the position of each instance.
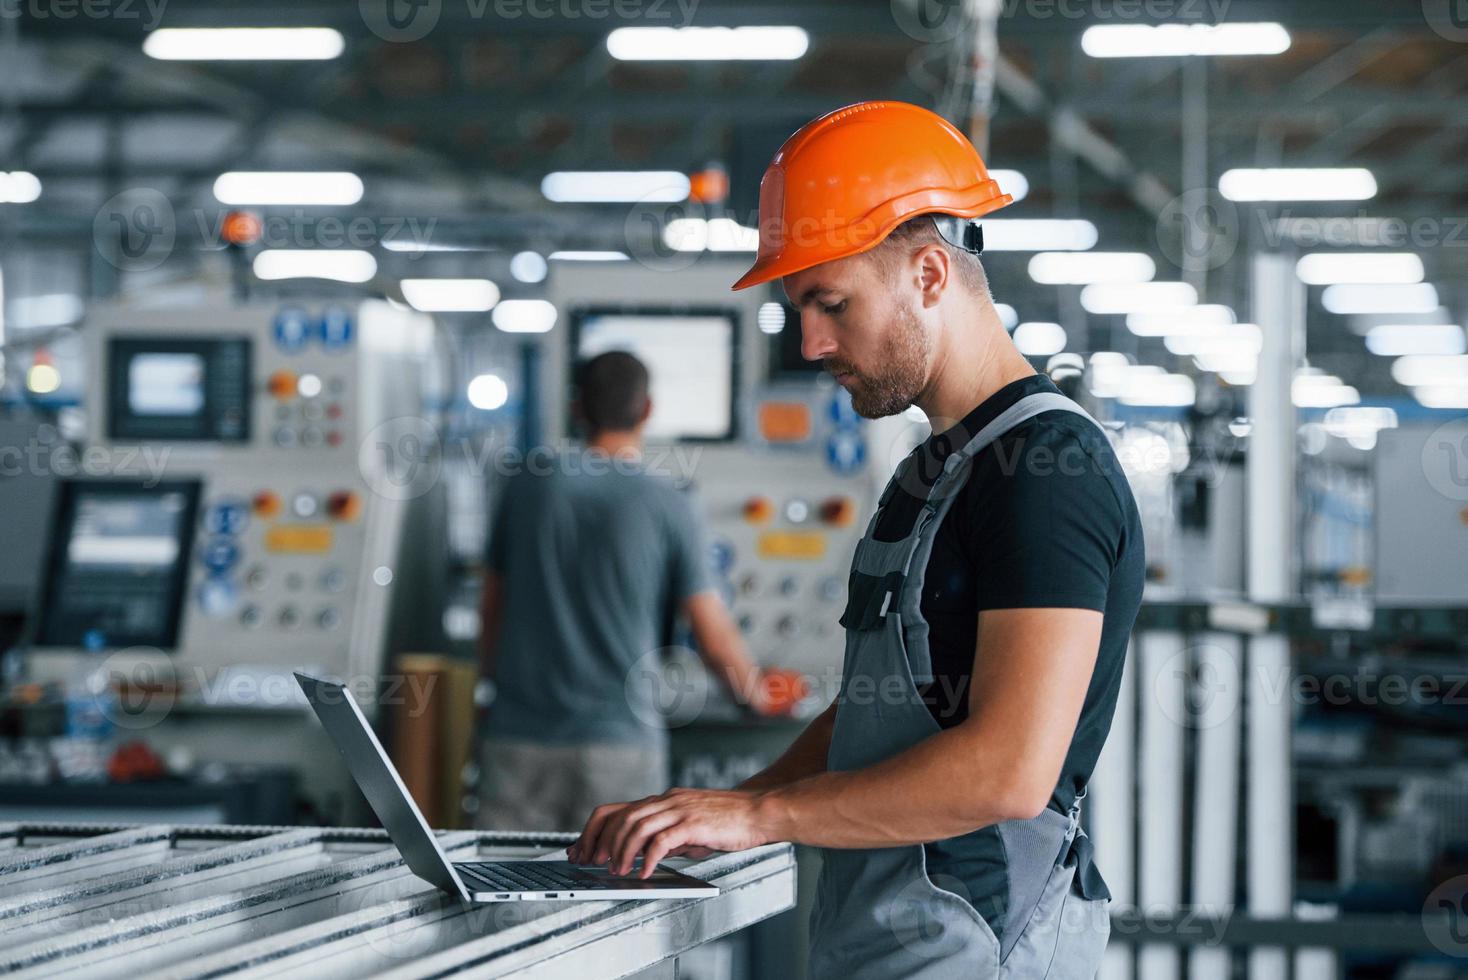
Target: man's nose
(816, 340)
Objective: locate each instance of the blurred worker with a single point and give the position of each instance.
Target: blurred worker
(586, 553)
(990, 601)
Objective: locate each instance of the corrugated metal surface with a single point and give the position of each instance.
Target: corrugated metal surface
(174, 901)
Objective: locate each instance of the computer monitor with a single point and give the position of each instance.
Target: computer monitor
(119, 563)
(194, 389)
(692, 357)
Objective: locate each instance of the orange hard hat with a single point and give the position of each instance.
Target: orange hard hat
(844, 181)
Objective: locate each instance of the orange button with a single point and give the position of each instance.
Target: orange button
(838, 511)
(784, 421)
(266, 504)
(344, 505)
(282, 384)
(758, 510)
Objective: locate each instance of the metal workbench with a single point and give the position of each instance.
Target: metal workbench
(180, 901)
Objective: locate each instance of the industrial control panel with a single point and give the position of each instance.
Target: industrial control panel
(284, 417)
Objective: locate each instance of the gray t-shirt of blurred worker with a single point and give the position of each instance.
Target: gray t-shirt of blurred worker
(593, 552)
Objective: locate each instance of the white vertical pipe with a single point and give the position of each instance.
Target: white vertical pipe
(1160, 760)
(1279, 310)
(1111, 812)
(1218, 662)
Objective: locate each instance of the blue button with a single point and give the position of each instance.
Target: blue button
(228, 517)
(293, 329)
(722, 552)
(220, 554)
(335, 328)
(846, 450)
(841, 411)
(217, 597)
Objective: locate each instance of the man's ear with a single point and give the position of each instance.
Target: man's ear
(646, 411)
(935, 271)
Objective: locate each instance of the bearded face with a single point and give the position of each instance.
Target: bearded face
(889, 380)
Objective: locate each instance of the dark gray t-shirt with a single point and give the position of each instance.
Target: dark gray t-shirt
(593, 553)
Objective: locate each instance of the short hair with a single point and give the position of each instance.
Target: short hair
(913, 234)
(612, 391)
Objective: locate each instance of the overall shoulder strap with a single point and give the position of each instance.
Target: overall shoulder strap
(1021, 411)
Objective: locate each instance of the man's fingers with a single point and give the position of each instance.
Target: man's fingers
(614, 838)
(586, 844)
(638, 831)
(660, 845)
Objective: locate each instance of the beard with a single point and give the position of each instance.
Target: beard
(903, 373)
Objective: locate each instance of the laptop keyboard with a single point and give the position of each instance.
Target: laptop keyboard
(534, 876)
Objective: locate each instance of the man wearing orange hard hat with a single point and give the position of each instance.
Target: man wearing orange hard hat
(989, 605)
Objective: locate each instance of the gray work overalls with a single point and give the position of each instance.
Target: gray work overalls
(878, 915)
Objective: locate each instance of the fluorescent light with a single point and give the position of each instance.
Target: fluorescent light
(588, 256)
(771, 318)
(1297, 184)
(528, 267)
(244, 44)
(614, 186)
(1079, 268)
(1011, 182)
(342, 265)
(1037, 339)
(286, 187)
(1137, 297)
(1008, 316)
(1244, 337)
(1175, 321)
(1417, 370)
(1230, 362)
(1310, 390)
(1160, 390)
(524, 316)
(488, 391)
(420, 246)
(1354, 297)
(19, 187)
(707, 43)
(1442, 396)
(1182, 40)
(49, 310)
(713, 234)
(1397, 339)
(1039, 235)
(1325, 268)
(1347, 421)
(451, 295)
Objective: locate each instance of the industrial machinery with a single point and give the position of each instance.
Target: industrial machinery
(250, 472)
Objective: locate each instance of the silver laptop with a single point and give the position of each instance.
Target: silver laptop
(471, 881)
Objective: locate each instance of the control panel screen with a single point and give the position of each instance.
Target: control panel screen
(690, 357)
(119, 563)
(185, 389)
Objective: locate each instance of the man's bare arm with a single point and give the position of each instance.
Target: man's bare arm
(806, 756)
(1032, 670)
(722, 649)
